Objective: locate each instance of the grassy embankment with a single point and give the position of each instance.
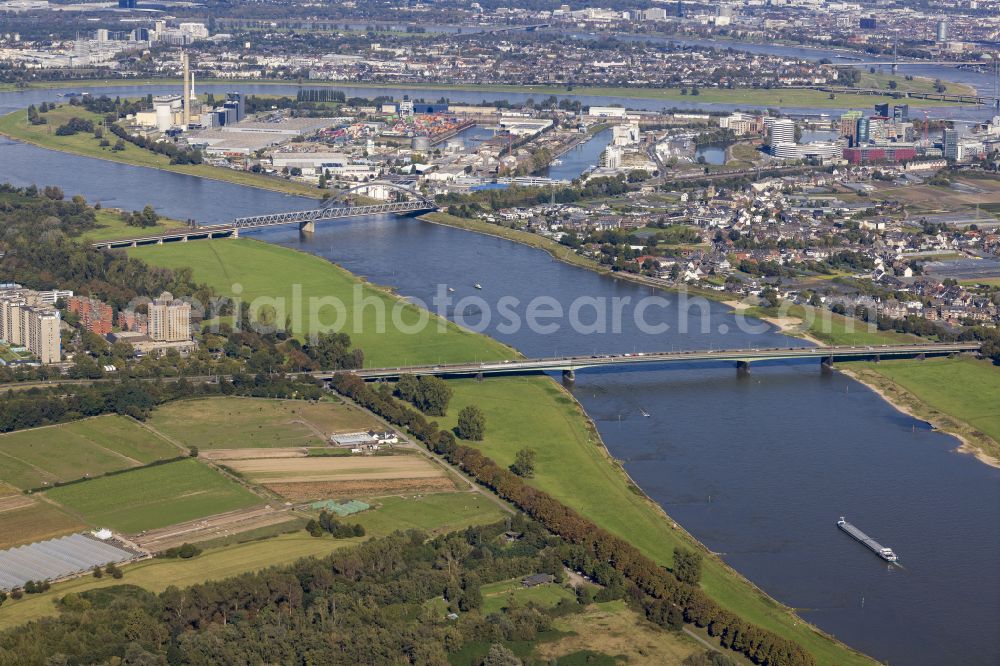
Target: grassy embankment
(554, 248)
(957, 395)
(111, 226)
(918, 84)
(755, 97)
(272, 275)
(15, 125)
(525, 411)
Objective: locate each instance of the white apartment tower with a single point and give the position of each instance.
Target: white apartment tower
(169, 319)
(36, 327)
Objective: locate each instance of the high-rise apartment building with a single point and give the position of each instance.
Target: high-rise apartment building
(782, 130)
(26, 324)
(169, 319)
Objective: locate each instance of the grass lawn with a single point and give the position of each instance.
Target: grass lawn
(272, 275)
(15, 125)
(32, 458)
(960, 395)
(613, 629)
(153, 497)
(919, 84)
(437, 513)
(575, 468)
(497, 596)
(237, 423)
(32, 520)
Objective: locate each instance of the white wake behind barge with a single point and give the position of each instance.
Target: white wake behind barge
(882, 551)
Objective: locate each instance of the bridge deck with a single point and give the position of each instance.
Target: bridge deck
(573, 363)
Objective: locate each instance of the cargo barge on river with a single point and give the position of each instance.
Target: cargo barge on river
(882, 551)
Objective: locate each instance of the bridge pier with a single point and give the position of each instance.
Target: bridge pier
(479, 376)
(569, 376)
(826, 365)
(877, 359)
(307, 227)
(742, 368)
(921, 357)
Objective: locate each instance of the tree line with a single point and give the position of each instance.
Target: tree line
(39, 406)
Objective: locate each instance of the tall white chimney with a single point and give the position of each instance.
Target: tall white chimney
(185, 91)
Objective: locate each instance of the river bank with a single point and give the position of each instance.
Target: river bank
(787, 325)
(15, 126)
(920, 399)
(558, 252)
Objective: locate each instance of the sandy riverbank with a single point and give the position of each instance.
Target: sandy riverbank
(900, 401)
(786, 325)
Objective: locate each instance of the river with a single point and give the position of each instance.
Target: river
(758, 468)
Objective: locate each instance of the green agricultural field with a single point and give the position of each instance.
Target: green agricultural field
(959, 395)
(574, 467)
(153, 497)
(437, 512)
(26, 520)
(237, 423)
(497, 596)
(269, 275)
(33, 458)
(15, 125)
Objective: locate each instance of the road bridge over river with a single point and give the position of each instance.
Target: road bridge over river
(741, 357)
(570, 364)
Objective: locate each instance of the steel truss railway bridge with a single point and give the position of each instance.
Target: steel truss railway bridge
(407, 202)
(741, 357)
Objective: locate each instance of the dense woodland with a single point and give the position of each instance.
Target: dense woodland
(363, 605)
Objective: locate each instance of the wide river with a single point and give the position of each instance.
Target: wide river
(758, 468)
